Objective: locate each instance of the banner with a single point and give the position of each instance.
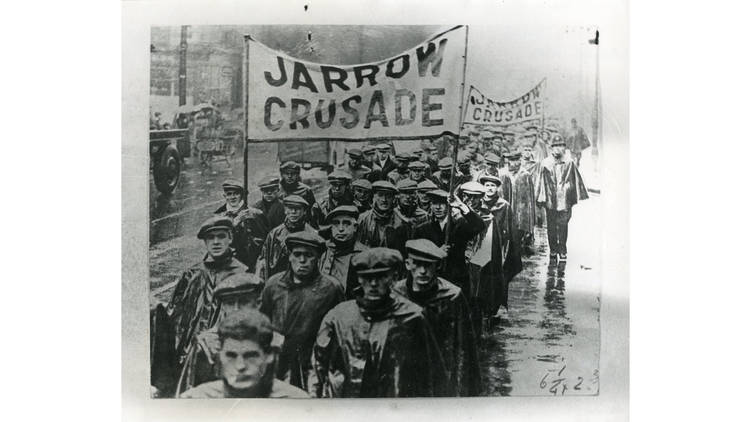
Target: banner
(414, 95)
(481, 110)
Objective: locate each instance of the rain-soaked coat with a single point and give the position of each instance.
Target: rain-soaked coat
(448, 314)
(250, 229)
(494, 257)
(336, 262)
(273, 211)
(524, 205)
(388, 231)
(295, 311)
(193, 307)
(560, 184)
(389, 351)
(274, 254)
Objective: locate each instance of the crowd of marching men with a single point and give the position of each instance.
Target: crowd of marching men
(381, 289)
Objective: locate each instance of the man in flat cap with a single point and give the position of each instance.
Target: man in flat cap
(247, 359)
(395, 356)
(296, 301)
(443, 177)
(274, 257)
(524, 204)
(560, 187)
(380, 226)
(371, 161)
(250, 226)
(418, 171)
(448, 315)
(342, 247)
(493, 256)
(235, 293)
(491, 167)
(423, 200)
(576, 141)
(362, 192)
(464, 173)
(408, 208)
(465, 224)
(355, 165)
(384, 160)
(270, 203)
(430, 157)
(193, 307)
(401, 171)
(339, 193)
(291, 184)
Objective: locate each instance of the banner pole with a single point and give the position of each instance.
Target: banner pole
(452, 182)
(246, 75)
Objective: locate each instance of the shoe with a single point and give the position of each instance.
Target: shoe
(563, 257)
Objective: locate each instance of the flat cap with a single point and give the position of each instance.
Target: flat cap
(382, 185)
(216, 222)
(445, 163)
(473, 188)
(367, 149)
(512, 154)
(492, 158)
(289, 165)
(362, 183)
(417, 165)
(376, 260)
(355, 152)
(239, 283)
(304, 238)
(406, 185)
(268, 182)
(404, 156)
(490, 178)
(346, 210)
(383, 147)
(339, 175)
(438, 195)
(430, 147)
(295, 200)
(424, 250)
(233, 184)
(463, 157)
(426, 185)
(557, 140)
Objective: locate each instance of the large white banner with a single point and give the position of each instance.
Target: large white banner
(482, 110)
(414, 95)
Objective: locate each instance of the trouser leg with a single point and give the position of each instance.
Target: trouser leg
(552, 230)
(563, 217)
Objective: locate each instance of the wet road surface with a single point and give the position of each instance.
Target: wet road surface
(547, 345)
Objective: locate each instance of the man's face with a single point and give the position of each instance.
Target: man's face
(383, 154)
(343, 228)
(471, 200)
(337, 188)
(422, 197)
(430, 154)
(528, 153)
(371, 156)
(217, 242)
(514, 165)
(243, 363)
(294, 212)
(233, 197)
(303, 260)
(376, 286)
(439, 209)
(422, 273)
(416, 174)
(355, 162)
(407, 199)
(270, 194)
(290, 176)
(491, 189)
(361, 195)
(472, 149)
(383, 200)
(557, 151)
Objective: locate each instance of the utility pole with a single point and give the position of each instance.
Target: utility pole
(596, 123)
(182, 87)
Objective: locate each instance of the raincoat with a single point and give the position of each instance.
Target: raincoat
(560, 184)
(250, 229)
(193, 307)
(273, 211)
(524, 205)
(378, 229)
(448, 314)
(295, 311)
(336, 262)
(274, 254)
(381, 350)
